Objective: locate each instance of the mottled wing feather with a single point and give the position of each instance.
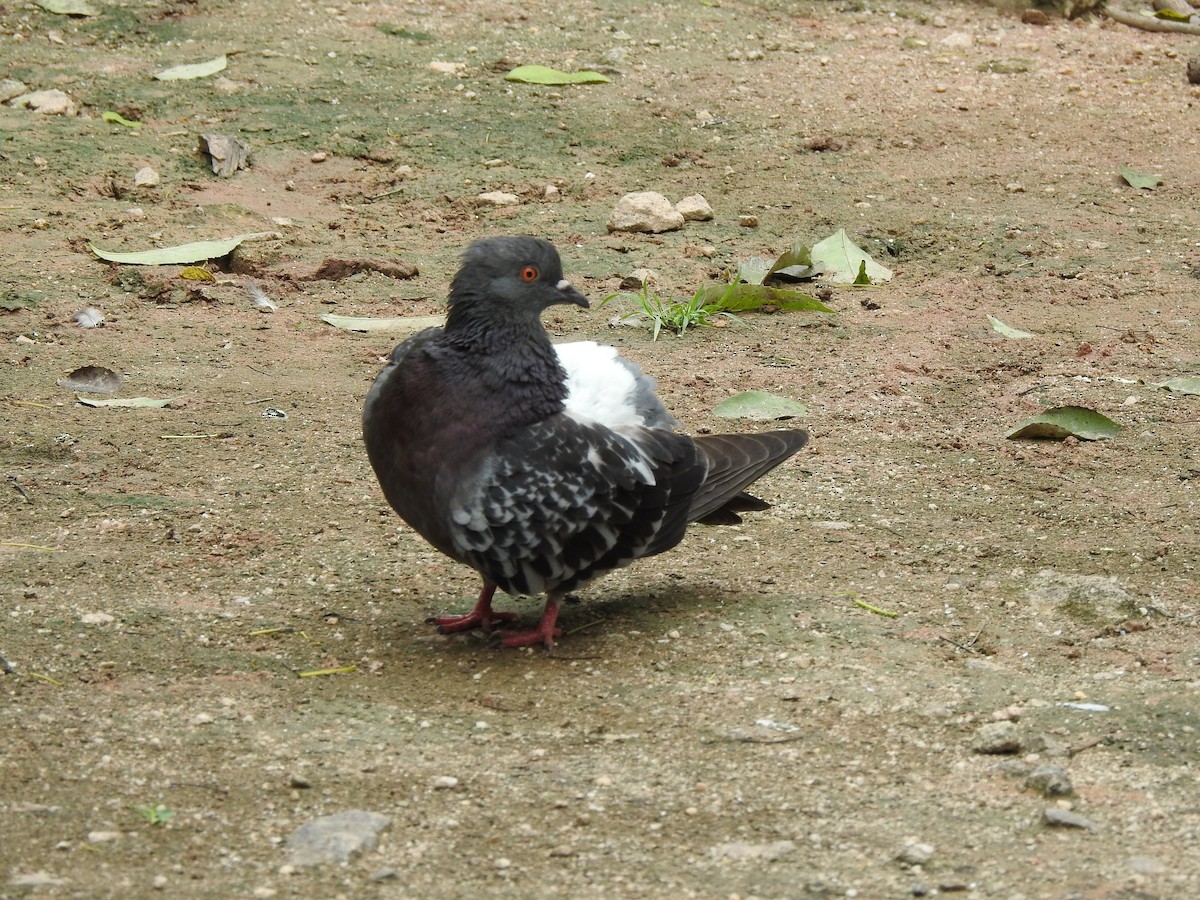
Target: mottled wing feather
(736, 461)
(562, 501)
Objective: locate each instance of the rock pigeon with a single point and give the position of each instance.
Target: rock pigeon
(541, 466)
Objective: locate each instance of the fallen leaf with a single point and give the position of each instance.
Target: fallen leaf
(68, 7)
(96, 379)
(135, 402)
(118, 119)
(546, 75)
(196, 273)
(1007, 330)
(173, 256)
(1138, 179)
(1067, 421)
(839, 260)
(194, 70)
(741, 297)
(1182, 385)
(395, 325)
(758, 405)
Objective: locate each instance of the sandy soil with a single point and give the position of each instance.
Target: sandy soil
(727, 719)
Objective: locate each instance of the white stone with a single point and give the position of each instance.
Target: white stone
(497, 198)
(145, 177)
(645, 211)
(694, 208)
(48, 103)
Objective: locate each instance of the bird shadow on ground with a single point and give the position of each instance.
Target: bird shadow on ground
(587, 619)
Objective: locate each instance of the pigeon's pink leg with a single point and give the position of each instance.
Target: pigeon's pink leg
(482, 616)
(545, 633)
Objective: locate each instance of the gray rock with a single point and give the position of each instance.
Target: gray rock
(694, 208)
(742, 850)
(1065, 818)
(1087, 599)
(10, 87)
(1045, 745)
(915, 854)
(1146, 865)
(1050, 780)
(36, 880)
(645, 211)
(336, 838)
(997, 737)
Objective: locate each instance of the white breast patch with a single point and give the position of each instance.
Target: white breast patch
(599, 388)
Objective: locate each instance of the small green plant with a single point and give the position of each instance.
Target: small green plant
(663, 312)
(156, 815)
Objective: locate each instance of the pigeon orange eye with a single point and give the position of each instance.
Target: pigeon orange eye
(529, 273)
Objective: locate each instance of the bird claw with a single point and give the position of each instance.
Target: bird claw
(473, 619)
(529, 638)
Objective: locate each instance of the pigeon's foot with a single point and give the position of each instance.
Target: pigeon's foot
(545, 633)
(482, 616)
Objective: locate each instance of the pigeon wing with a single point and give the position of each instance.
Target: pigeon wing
(562, 501)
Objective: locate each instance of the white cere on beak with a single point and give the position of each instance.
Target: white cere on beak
(563, 284)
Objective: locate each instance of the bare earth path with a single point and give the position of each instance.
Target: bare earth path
(724, 720)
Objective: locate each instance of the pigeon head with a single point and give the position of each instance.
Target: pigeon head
(514, 277)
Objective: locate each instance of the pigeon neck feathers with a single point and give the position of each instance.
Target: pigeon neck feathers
(494, 334)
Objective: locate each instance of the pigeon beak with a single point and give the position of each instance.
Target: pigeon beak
(568, 294)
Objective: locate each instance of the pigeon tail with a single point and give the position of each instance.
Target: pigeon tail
(735, 461)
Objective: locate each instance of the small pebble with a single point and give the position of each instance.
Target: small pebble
(996, 738)
(915, 854)
(1065, 818)
(445, 783)
(319, 157)
(497, 198)
(1050, 780)
(748, 221)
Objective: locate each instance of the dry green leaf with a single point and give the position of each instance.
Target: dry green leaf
(840, 260)
(68, 7)
(1138, 179)
(1182, 385)
(173, 256)
(758, 405)
(135, 402)
(194, 70)
(117, 119)
(740, 297)
(395, 325)
(1007, 330)
(1067, 421)
(546, 75)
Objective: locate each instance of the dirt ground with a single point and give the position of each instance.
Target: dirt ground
(728, 719)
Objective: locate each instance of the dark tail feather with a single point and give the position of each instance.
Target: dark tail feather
(735, 461)
(728, 514)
